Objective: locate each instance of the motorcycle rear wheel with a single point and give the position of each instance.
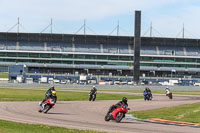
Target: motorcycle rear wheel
(170, 96)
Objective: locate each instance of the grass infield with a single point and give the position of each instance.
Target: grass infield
(10, 94)
(20, 94)
(183, 113)
(14, 127)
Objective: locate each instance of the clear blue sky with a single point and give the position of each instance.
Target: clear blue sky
(102, 16)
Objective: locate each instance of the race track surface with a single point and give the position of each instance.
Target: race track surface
(90, 115)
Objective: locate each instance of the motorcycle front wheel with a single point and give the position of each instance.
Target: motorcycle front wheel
(107, 118)
(119, 117)
(46, 108)
(40, 109)
(90, 98)
(94, 97)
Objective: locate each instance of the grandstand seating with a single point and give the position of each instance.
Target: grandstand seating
(192, 51)
(94, 48)
(148, 50)
(59, 47)
(31, 46)
(123, 48)
(10, 45)
(171, 50)
(116, 48)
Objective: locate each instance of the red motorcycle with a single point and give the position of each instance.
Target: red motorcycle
(46, 105)
(117, 114)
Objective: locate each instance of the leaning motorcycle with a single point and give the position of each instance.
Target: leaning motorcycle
(92, 96)
(117, 114)
(169, 95)
(147, 96)
(46, 105)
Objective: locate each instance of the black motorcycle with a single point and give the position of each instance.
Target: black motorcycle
(169, 95)
(92, 96)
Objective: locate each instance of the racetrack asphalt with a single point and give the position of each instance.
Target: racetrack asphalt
(90, 115)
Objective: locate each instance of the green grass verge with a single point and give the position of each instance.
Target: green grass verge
(3, 74)
(117, 90)
(14, 127)
(9, 94)
(184, 113)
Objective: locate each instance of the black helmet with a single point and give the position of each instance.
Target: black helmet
(124, 99)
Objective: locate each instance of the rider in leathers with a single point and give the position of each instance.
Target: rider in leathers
(122, 102)
(93, 91)
(167, 91)
(48, 94)
(148, 91)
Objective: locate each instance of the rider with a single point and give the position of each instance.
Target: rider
(122, 102)
(93, 90)
(148, 91)
(53, 96)
(167, 90)
(48, 94)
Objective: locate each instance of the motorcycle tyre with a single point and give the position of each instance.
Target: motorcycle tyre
(170, 96)
(90, 98)
(119, 117)
(46, 108)
(107, 117)
(40, 108)
(94, 98)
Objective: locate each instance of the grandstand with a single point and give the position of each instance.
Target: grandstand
(99, 54)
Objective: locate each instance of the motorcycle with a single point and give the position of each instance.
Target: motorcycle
(116, 114)
(92, 96)
(169, 95)
(46, 105)
(147, 96)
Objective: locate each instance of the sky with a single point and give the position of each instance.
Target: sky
(167, 17)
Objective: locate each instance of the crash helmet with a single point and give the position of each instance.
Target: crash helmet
(93, 87)
(53, 93)
(146, 89)
(167, 88)
(124, 100)
(52, 87)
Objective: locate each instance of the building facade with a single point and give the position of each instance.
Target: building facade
(99, 55)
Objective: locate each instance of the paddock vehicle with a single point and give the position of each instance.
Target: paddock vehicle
(116, 114)
(92, 96)
(46, 105)
(169, 95)
(147, 96)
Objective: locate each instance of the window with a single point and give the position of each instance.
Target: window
(169, 52)
(2, 47)
(113, 50)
